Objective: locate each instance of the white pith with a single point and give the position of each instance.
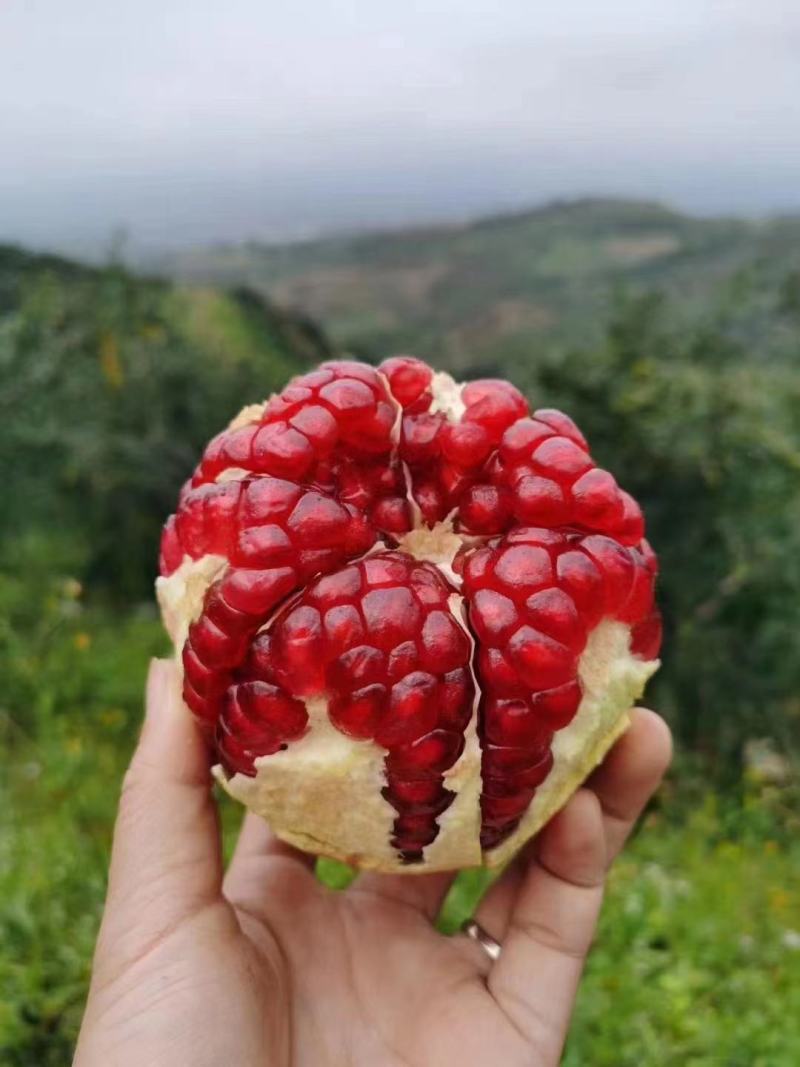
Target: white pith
(446, 393)
(323, 792)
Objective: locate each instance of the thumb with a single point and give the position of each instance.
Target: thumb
(166, 859)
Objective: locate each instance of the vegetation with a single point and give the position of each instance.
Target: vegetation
(109, 385)
(471, 294)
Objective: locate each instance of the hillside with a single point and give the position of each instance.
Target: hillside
(467, 295)
(109, 386)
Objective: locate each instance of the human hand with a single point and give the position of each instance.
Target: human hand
(263, 965)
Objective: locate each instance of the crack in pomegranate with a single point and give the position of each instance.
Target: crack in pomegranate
(313, 502)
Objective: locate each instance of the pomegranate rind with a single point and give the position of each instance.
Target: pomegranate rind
(339, 811)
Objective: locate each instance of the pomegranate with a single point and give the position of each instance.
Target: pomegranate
(411, 615)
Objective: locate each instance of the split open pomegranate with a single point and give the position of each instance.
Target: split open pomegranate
(411, 615)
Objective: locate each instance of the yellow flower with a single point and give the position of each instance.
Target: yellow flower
(82, 641)
(109, 361)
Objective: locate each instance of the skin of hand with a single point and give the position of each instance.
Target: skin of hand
(262, 966)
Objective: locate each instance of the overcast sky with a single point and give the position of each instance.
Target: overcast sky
(201, 120)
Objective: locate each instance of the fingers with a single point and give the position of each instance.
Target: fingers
(544, 910)
(423, 892)
(166, 858)
(256, 845)
(551, 925)
(623, 783)
(630, 774)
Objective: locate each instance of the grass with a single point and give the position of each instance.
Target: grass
(697, 961)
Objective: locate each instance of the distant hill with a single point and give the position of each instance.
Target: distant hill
(468, 294)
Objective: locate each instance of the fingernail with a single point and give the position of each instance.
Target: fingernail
(159, 676)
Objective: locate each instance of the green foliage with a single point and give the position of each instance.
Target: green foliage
(707, 439)
(110, 388)
(471, 295)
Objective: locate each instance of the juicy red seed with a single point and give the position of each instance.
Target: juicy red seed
(646, 636)
(262, 546)
(456, 694)
(497, 811)
(521, 569)
(171, 553)
(540, 500)
(429, 755)
(318, 425)
(553, 612)
(580, 577)
(391, 615)
(267, 500)
(514, 722)
(342, 585)
(317, 521)
(424, 796)
(414, 830)
(359, 713)
(190, 525)
(237, 445)
(562, 424)
(429, 586)
(234, 756)
(385, 570)
(500, 759)
(358, 666)
(492, 616)
(485, 509)
(477, 568)
(349, 398)
(409, 379)
(558, 706)
(617, 567)
(205, 709)
(419, 437)
(280, 450)
(640, 600)
(373, 434)
(444, 645)
(541, 661)
(597, 500)
(430, 501)
(402, 659)
(466, 444)
(349, 368)
(213, 646)
(495, 405)
(520, 439)
(256, 592)
(315, 379)
(391, 515)
(497, 673)
(535, 535)
(561, 458)
(343, 628)
(300, 644)
(412, 710)
(517, 782)
(269, 706)
(631, 528)
(206, 681)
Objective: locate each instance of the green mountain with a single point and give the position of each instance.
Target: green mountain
(468, 295)
(110, 385)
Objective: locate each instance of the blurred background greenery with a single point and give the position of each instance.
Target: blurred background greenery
(674, 342)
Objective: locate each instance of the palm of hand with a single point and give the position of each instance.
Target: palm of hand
(271, 968)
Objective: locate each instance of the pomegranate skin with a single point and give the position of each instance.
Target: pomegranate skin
(411, 615)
